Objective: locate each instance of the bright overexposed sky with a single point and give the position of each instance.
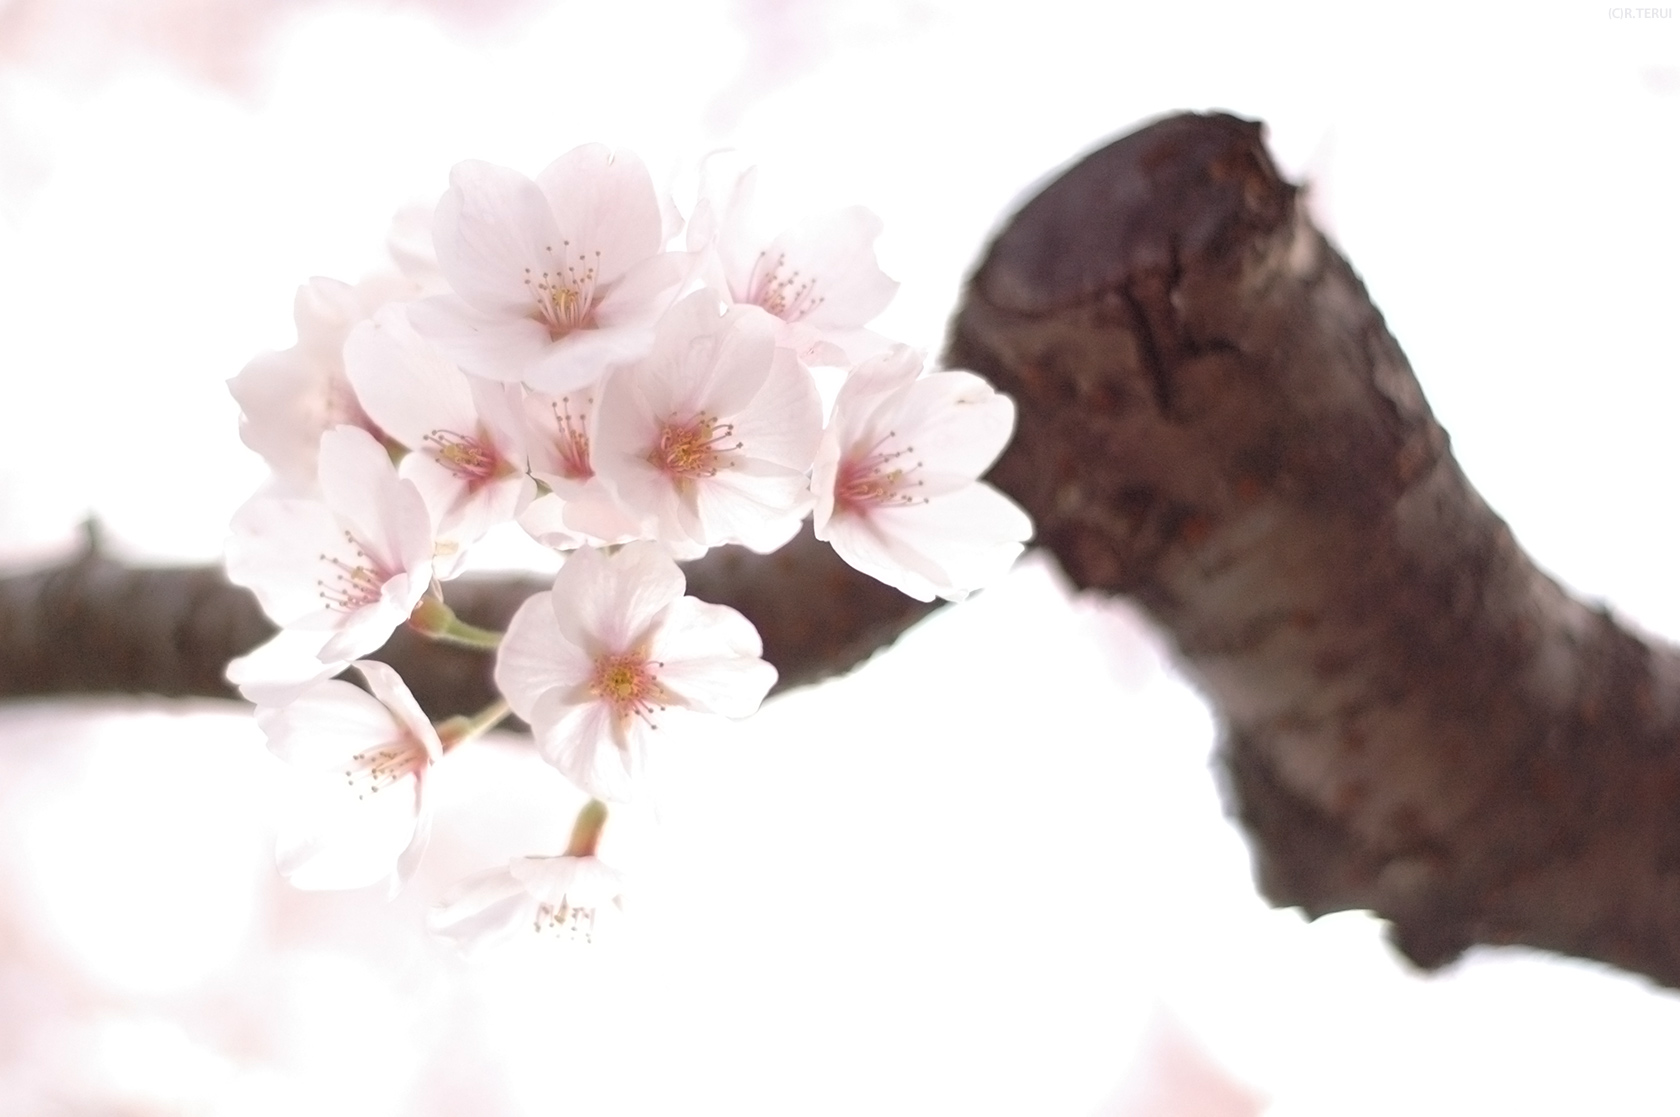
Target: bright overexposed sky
(972, 878)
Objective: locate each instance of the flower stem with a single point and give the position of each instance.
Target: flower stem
(438, 621)
(586, 831)
(459, 730)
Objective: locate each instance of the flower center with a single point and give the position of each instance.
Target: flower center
(468, 458)
(572, 442)
(565, 921)
(695, 448)
(354, 583)
(783, 292)
(372, 770)
(565, 293)
(628, 684)
(877, 477)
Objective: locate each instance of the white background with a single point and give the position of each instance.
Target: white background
(989, 873)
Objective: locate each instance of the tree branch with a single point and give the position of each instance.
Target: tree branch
(94, 625)
(1214, 421)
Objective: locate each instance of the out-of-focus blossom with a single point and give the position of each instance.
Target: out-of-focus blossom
(553, 281)
(363, 758)
(896, 478)
(713, 433)
(565, 897)
(292, 397)
(593, 664)
(466, 454)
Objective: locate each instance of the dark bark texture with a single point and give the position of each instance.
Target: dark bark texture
(1215, 422)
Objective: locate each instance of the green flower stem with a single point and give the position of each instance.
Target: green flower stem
(438, 621)
(459, 730)
(586, 831)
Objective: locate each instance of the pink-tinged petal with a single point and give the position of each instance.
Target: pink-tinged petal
(279, 671)
(709, 659)
(607, 603)
(387, 686)
(957, 424)
(492, 230)
(535, 657)
(418, 840)
(947, 547)
(582, 357)
(581, 881)
(482, 909)
(858, 541)
(334, 842)
(592, 748)
(285, 403)
(463, 510)
(404, 382)
(825, 471)
(386, 515)
(783, 422)
(274, 549)
(707, 357)
(544, 520)
(365, 630)
(327, 725)
(604, 203)
(822, 271)
(755, 503)
(498, 347)
(644, 292)
(869, 384)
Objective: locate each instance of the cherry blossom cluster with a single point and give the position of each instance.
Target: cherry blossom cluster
(567, 357)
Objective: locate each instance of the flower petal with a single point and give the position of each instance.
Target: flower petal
(491, 229)
(607, 603)
(709, 658)
(536, 657)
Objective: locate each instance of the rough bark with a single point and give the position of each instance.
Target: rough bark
(1214, 421)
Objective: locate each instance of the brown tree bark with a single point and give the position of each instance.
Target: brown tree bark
(1215, 422)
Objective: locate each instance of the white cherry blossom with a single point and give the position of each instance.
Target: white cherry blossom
(896, 478)
(566, 898)
(467, 456)
(362, 760)
(593, 664)
(712, 434)
(554, 280)
(292, 397)
(579, 509)
(819, 278)
(337, 574)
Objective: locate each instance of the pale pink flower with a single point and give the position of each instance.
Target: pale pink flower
(712, 434)
(362, 759)
(579, 509)
(292, 397)
(565, 897)
(593, 664)
(337, 574)
(896, 479)
(819, 279)
(553, 280)
(466, 454)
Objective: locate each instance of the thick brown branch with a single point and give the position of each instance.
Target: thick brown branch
(1215, 421)
(94, 625)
